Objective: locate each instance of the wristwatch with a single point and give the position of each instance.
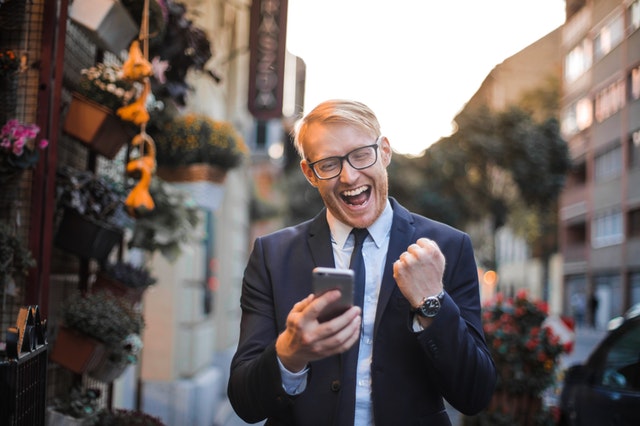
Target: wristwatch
(430, 306)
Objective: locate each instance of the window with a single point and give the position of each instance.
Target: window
(609, 36)
(634, 83)
(634, 149)
(578, 61)
(609, 100)
(608, 165)
(607, 230)
(633, 16)
(634, 223)
(577, 117)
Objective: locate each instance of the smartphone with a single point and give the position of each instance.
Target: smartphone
(325, 279)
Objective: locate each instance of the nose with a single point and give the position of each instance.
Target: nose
(348, 173)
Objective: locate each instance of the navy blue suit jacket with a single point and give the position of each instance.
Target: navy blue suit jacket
(411, 372)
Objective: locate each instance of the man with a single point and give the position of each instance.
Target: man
(417, 337)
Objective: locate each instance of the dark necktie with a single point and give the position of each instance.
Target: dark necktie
(357, 265)
(350, 358)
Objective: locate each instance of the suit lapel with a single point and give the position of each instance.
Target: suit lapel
(402, 231)
(319, 241)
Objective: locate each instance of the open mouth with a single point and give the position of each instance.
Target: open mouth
(357, 196)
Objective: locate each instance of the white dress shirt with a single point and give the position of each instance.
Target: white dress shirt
(374, 252)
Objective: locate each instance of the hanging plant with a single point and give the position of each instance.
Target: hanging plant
(15, 257)
(10, 63)
(198, 139)
(18, 150)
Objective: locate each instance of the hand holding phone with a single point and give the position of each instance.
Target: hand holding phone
(325, 279)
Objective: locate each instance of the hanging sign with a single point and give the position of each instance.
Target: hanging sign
(267, 38)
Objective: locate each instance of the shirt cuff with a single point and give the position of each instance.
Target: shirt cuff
(293, 383)
(417, 327)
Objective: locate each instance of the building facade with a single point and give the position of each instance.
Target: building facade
(600, 205)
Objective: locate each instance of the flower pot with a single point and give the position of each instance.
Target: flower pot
(85, 237)
(107, 370)
(97, 126)
(115, 287)
(55, 418)
(192, 173)
(106, 22)
(76, 351)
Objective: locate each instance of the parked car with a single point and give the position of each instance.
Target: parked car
(605, 390)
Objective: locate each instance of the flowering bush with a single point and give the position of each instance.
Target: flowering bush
(104, 85)
(9, 63)
(17, 150)
(526, 353)
(196, 138)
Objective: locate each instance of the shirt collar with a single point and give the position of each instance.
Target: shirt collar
(378, 230)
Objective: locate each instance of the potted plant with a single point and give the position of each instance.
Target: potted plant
(197, 147)
(18, 150)
(526, 352)
(170, 225)
(124, 279)
(77, 408)
(92, 213)
(121, 417)
(15, 257)
(109, 324)
(91, 117)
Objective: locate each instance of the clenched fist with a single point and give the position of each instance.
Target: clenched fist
(418, 271)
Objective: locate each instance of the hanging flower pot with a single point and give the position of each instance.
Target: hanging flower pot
(97, 126)
(107, 370)
(86, 237)
(107, 23)
(76, 351)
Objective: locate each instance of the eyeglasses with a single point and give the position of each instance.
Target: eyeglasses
(360, 159)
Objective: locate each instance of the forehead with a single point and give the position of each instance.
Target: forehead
(328, 140)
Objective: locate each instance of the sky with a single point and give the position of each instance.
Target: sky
(414, 62)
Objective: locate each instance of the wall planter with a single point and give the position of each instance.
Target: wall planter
(86, 237)
(107, 23)
(76, 351)
(55, 418)
(97, 127)
(107, 370)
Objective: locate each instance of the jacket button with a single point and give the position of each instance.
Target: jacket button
(335, 385)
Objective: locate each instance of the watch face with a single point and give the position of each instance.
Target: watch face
(430, 307)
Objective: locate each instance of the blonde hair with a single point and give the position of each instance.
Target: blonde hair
(336, 111)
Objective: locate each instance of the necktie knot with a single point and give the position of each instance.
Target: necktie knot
(360, 234)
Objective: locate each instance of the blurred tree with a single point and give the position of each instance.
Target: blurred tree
(500, 167)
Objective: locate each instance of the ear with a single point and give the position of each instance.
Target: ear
(385, 151)
(308, 173)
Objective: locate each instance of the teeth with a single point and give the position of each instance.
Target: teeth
(355, 192)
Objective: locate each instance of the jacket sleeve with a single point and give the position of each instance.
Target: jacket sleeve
(255, 384)
(454, 342)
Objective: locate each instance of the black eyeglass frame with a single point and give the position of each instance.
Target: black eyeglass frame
(342, 159)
